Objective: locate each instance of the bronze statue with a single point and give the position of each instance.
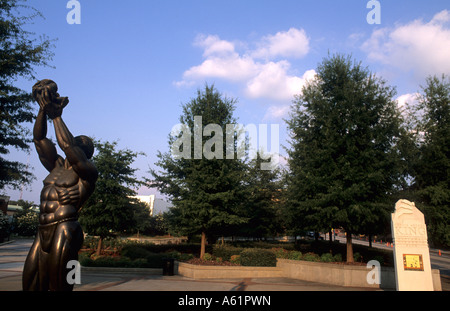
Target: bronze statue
(70, 183)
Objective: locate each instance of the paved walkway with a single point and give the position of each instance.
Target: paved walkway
(12, 257)
(92, 281)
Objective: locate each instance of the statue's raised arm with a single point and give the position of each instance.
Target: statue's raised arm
(70, 183)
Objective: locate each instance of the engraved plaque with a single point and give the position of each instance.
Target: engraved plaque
(412, 262)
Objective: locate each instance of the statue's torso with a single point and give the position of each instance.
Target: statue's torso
(62, 195)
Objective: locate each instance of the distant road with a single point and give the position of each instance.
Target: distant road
(437, 262)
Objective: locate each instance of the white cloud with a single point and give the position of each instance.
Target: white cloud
(274, 82)
(405, 100)
(291, 43)
(213, 45)
(276, 112)
(260, 78)
(421, 47)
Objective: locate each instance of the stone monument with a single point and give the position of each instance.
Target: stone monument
(411, 253)
(70, 183)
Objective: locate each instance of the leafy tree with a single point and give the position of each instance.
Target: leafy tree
(20, 53)
(431, 164)
(143, 220)
(262, 204)
(343, 160)
(26, 224)
(110, 208)
(207, 193)
(148, 224)
(25, 221)
(5, 226)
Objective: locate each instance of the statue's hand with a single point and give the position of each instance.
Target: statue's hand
(52, 103)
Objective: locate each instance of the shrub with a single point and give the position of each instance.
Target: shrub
(357, 257)
(144, 258)
(235, 259)
(226, 251)
(155, 260)
(207, 256)
(281, 253)
(85, 259)
(311, 257)
(135, 252)
(295, 255)
(4, 226)
(185, 257)
(257, 257)
(27, 224)
(327, 257)
(337, 257)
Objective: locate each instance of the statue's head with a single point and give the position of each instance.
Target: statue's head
(86, 144)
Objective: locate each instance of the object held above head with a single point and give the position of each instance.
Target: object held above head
(45, 93)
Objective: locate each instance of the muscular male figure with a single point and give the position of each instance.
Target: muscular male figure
(70, 183)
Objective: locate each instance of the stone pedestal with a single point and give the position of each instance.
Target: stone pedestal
(411, 253)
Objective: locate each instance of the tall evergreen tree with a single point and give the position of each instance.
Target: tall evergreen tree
(263, 201)
(206, 187)
(20, 52)
(109, 209)
(343, 159)
(432, 162)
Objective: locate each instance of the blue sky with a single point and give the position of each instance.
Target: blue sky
(129, 66)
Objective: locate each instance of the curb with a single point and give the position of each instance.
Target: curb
(7, 242)
(146, 271)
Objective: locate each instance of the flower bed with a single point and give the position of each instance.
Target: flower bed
(198, 261)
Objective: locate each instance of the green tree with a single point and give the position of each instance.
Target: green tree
(432, 158)
(343, 160)
(20, 52)
(205, 188)
(26, 224)
(5, 226)
(109, 209)
(262, 204)
(25, 221)
(143, 221)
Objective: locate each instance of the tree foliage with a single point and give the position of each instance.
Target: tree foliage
(343, 160)
(263, 201)
(431, 161)
(20, 52)
(109, 210)
(207, 194)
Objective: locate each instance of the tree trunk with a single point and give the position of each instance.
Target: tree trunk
(349, 248)
(203, 245)
(99, 247)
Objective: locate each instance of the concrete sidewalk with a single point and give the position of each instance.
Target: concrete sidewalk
(12, 258)
(11, 280)
(108, 281)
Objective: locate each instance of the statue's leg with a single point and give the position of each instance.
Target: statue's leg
(35, 270)
(67, 242)
(30, 275)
